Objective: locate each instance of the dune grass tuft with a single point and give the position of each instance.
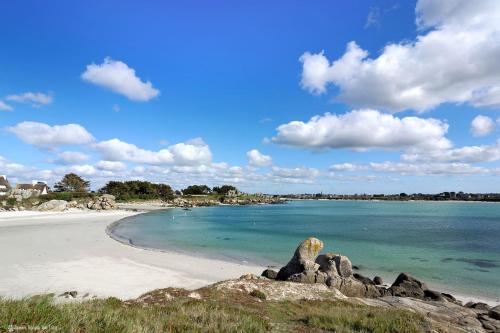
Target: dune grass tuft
(215, 314)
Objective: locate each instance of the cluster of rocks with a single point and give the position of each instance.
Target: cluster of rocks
(180, 202)
(104, 202)
(252, 201)
(200, 202)
(336, 271)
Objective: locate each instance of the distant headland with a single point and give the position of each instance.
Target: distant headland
(443, 196)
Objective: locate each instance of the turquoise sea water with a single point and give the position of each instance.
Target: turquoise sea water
(451, 245)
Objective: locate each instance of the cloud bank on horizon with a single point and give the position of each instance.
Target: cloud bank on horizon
(394, 129)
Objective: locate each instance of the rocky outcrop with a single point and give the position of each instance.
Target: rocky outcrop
(336, 271)
(333, 270)
(308, 268)
(53, 205)
(204, 202)
(303, 261)
(104, 202)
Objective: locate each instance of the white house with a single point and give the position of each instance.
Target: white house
(35, 185)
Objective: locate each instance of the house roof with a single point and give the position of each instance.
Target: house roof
(40, 187)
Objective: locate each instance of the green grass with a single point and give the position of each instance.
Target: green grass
(346, 317)
(112, 315)
(215, 313)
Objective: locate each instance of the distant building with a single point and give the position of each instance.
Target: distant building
(4, 185)
(232, 193)
(35, 185)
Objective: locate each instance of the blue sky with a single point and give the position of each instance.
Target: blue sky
(224, 93)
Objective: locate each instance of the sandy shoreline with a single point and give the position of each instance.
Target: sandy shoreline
(44, 252)
(59, 252)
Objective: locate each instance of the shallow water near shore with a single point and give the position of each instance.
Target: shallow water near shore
(454, 246)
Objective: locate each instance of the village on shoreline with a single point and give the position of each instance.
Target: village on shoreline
(75, 191)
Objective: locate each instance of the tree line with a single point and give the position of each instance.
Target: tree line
(137, 189)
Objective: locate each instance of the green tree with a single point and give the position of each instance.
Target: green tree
(197, 190)
(72, 183)
(136, 189)
(224, 189)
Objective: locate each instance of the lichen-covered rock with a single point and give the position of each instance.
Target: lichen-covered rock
(304, 259)
(53, 205)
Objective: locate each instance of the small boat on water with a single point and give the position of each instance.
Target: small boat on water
(185, 208)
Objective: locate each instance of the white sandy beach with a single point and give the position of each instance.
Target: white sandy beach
(59, 252)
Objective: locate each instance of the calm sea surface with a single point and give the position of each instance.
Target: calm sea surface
(451, 245)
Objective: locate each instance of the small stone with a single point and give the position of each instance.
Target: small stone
(270, 274)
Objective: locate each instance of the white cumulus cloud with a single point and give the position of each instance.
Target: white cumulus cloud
(421, 169)
(293, 175)
(452, 60)
(35, 99)
(190, 153)
(71, 157)
(46, 136)
(111, 165)
(466, 154)
(120, 78)
(347, 167)
(364, 129)
(482, 126)
(256, 158)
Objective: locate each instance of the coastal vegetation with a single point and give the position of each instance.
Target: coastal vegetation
(224, 189)
(218, 313)
(138, 190)
(197, 190)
